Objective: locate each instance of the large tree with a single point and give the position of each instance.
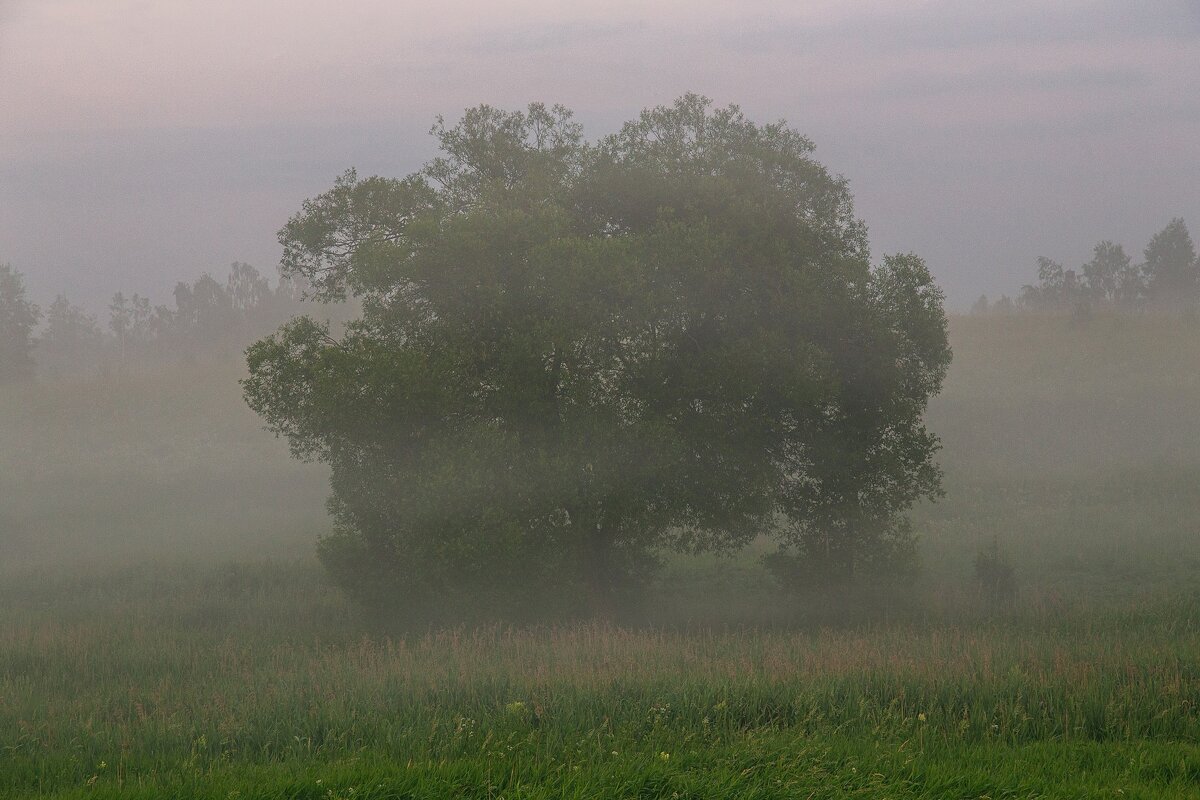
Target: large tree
(18, 318)
(572, 356)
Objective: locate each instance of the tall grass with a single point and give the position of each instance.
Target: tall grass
(199, 676)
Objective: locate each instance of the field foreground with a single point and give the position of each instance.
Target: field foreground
(258, 683)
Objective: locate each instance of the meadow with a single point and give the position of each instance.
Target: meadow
(166, 632)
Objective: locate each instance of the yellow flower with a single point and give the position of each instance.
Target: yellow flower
(921, 716)
(665, 756)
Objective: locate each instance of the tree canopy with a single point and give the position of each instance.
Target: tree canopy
(572, 356)
(1172, 266)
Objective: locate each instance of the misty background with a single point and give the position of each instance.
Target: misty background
(172, 623)
(143, 143)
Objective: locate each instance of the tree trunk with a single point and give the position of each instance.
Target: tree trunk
(596, 565)
(601, 574)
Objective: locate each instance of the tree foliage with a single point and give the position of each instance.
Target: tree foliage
(571, 356)
(1171, 266)
(1057, 288)
(71, 341)
(1110, 276)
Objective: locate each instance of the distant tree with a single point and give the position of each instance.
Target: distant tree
(72, 340)
(571, 356)
(980, 306)
(1057, 289)
(1173, 276)
(205, 314)
(1130, 290)
(995, 574)
(257, 307)
(1051, 275)
(285, 301)
(120, 322)
(161, 328)
(1047, 293)
(248, 290)
(208, 316)
(141, 319)
(1106, 270)
(18, 318)
(291, 289)
(1003, 306)
(131, 320)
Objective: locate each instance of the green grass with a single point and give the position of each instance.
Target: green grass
(208, 681)
(164, 631)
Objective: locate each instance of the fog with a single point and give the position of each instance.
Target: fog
(144, 143)
(598, 450)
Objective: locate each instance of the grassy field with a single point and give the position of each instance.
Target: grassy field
(164, 631)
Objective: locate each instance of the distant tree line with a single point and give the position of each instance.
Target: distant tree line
(207, 317)
(1167, 279)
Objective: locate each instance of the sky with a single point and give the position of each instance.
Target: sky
(145, 142)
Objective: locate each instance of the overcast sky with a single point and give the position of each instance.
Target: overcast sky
(143, 142)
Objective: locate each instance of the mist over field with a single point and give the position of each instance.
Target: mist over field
(607, 400)
(1076, 446)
